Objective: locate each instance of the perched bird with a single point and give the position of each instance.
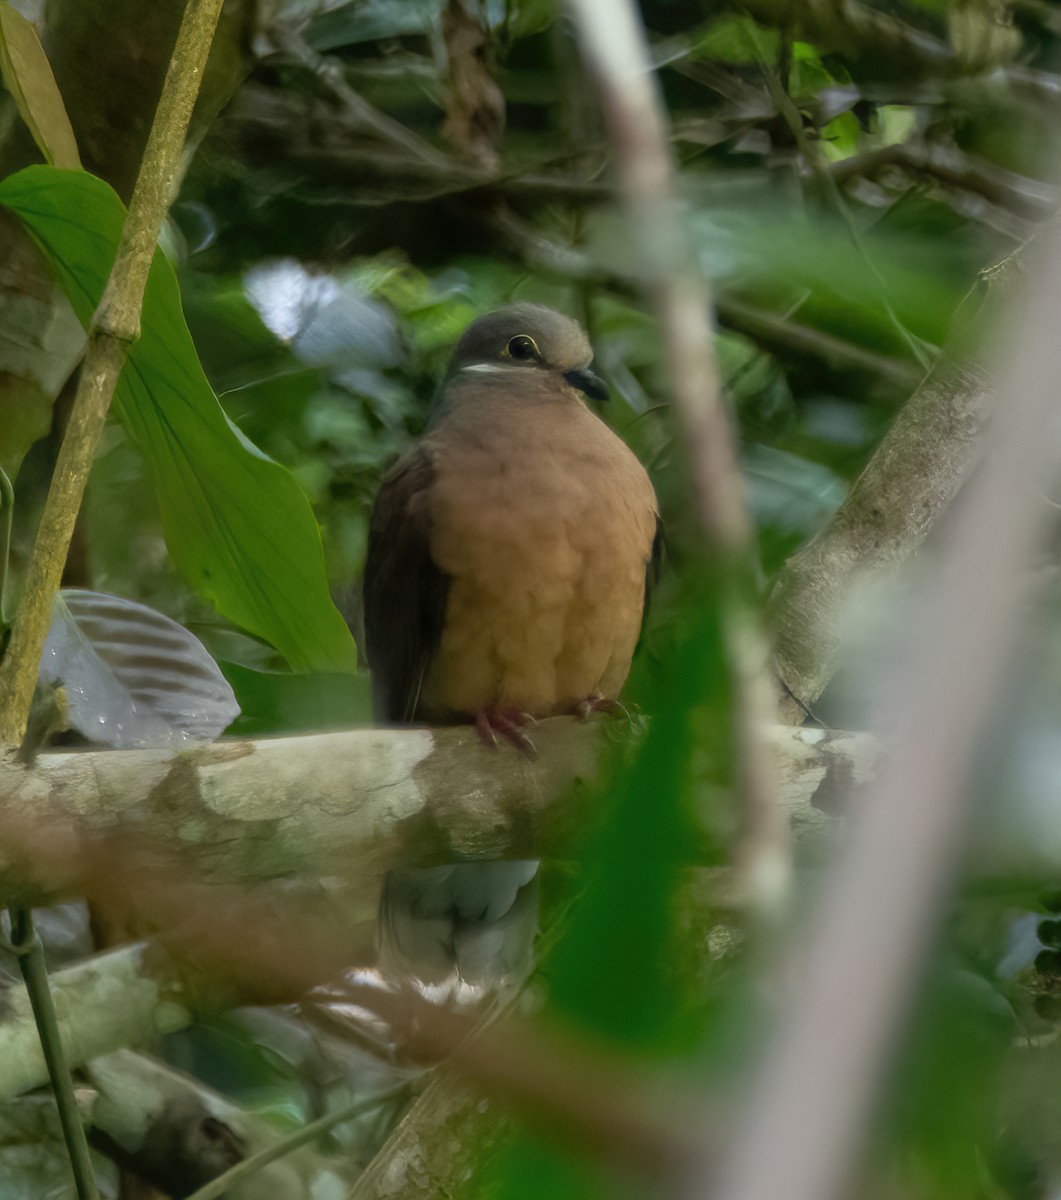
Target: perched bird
(509, 559)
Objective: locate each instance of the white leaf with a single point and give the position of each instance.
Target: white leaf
(132, 676)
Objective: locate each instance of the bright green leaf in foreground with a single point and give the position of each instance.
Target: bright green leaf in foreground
(618, 969)
(237, 524)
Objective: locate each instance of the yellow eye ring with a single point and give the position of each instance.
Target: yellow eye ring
(522, 348)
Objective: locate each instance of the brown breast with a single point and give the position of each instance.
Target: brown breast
(544, 521)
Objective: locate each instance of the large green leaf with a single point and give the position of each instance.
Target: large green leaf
(237, 524)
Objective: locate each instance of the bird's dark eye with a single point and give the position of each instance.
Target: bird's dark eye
(522, 348)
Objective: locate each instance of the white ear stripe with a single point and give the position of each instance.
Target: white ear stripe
(489, 368)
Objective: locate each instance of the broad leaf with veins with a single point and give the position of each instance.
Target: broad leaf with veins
(132, 676)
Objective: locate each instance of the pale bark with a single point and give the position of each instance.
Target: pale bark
(351, 805)
(345, 805)
(179, 1134)
(104, 1003)
(440, 1143)
(167, 1128)
(924, 459)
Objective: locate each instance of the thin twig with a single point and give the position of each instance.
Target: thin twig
(116, 325)
(552, 1076)
(7, 510)
(613, 42)
(27, 948)
(331, 74)
(887, 894)
(216, 1188)
(811, 153)
(295, 949)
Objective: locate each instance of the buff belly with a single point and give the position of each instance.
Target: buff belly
(547, 583)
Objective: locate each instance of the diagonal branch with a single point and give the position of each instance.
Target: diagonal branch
(924, 459)
(117, 323)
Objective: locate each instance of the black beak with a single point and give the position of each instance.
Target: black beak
(588, 384)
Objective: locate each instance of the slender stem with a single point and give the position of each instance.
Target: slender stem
(7, 510)
(26, 946)
(613, 42)
(219, 1186)
(116, 325)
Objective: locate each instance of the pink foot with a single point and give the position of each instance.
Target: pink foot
(599, 703)
(507, 723)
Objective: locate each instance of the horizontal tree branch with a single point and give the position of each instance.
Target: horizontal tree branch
(352, 805)
(345, 806)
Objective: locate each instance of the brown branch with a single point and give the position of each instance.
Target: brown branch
(210, 959)
(613, 43)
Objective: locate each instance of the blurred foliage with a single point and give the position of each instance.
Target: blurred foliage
(235, 522)
(849, 170)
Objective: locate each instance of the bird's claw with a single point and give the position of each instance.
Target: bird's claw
(585, 708)
(507, 723)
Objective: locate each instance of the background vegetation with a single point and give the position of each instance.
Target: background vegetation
(369, 176)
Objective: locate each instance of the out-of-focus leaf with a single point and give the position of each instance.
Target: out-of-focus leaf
(237, 524)
(326, 320)
(25, 416)
(28, 77)
(272, 702)
(752, 379)
(132, 676)
(841, 136)
(944, 1102)
(787, 493)
(613, 970)
(372, 20)
(735, 38)
(896, 123)
(520, 18)
(809, 77)
(609, 971)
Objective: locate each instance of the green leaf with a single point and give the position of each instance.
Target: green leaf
(25, 417)
(28, 77)
(237, 525)
(736, 38)
(622, 967)
(613, 970)
(273, 702)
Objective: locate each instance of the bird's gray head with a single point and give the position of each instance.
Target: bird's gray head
(533, 337)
